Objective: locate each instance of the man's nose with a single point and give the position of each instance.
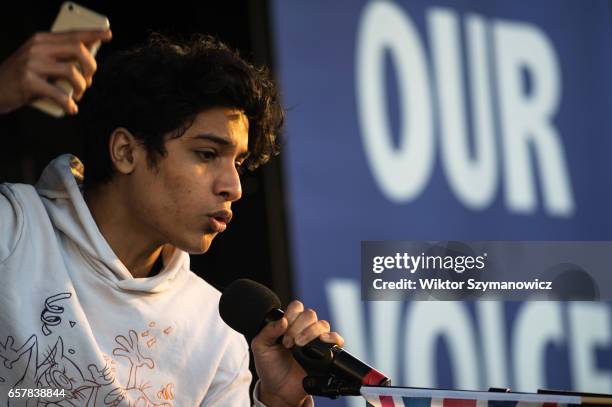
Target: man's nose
(228, 185)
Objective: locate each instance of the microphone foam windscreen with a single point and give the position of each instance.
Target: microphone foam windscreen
(244, 305)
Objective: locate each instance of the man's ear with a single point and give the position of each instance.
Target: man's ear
(124, 150)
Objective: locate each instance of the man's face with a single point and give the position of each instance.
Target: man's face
(186, 201)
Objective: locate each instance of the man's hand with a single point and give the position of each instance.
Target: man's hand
(281, 376)
(24, 75)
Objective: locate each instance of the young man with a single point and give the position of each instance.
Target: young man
(96, 298)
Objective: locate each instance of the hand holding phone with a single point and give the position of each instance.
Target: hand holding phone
(71, 19)
(54, 69)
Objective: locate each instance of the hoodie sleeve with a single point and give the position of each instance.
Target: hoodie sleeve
(309, 402)
(11, 221)
(231, 390)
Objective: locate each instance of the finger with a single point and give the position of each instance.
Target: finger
(311, 332)
(70, 52)
(303, 320)
(41, 87)
(294, 309)
(269, 335)
(64, 70)
(332, 337)
(85, 36)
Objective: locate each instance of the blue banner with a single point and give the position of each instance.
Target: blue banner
(449, 120)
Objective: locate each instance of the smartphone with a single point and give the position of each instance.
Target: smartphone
(72, 17)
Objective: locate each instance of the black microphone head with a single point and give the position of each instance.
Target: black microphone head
(244, 305)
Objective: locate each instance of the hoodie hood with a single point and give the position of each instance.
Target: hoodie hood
(60, 188)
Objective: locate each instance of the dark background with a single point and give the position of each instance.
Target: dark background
(255, 245)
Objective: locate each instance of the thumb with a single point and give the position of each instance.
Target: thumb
(269, 334)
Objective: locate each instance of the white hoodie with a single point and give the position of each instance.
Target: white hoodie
(72, 317)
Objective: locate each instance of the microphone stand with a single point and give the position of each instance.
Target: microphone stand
(331, 386)
(322, 380)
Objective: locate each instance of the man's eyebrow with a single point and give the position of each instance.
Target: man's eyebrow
(214, 138)
(219, 140)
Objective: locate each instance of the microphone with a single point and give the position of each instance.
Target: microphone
(248, 306)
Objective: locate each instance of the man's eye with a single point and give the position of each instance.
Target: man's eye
(207, 155)
(239, 167)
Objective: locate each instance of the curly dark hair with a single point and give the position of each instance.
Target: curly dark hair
(159, 88)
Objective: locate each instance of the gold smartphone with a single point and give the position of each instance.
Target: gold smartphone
(72, 17)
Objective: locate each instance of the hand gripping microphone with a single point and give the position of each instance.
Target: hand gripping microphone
(248, 306)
